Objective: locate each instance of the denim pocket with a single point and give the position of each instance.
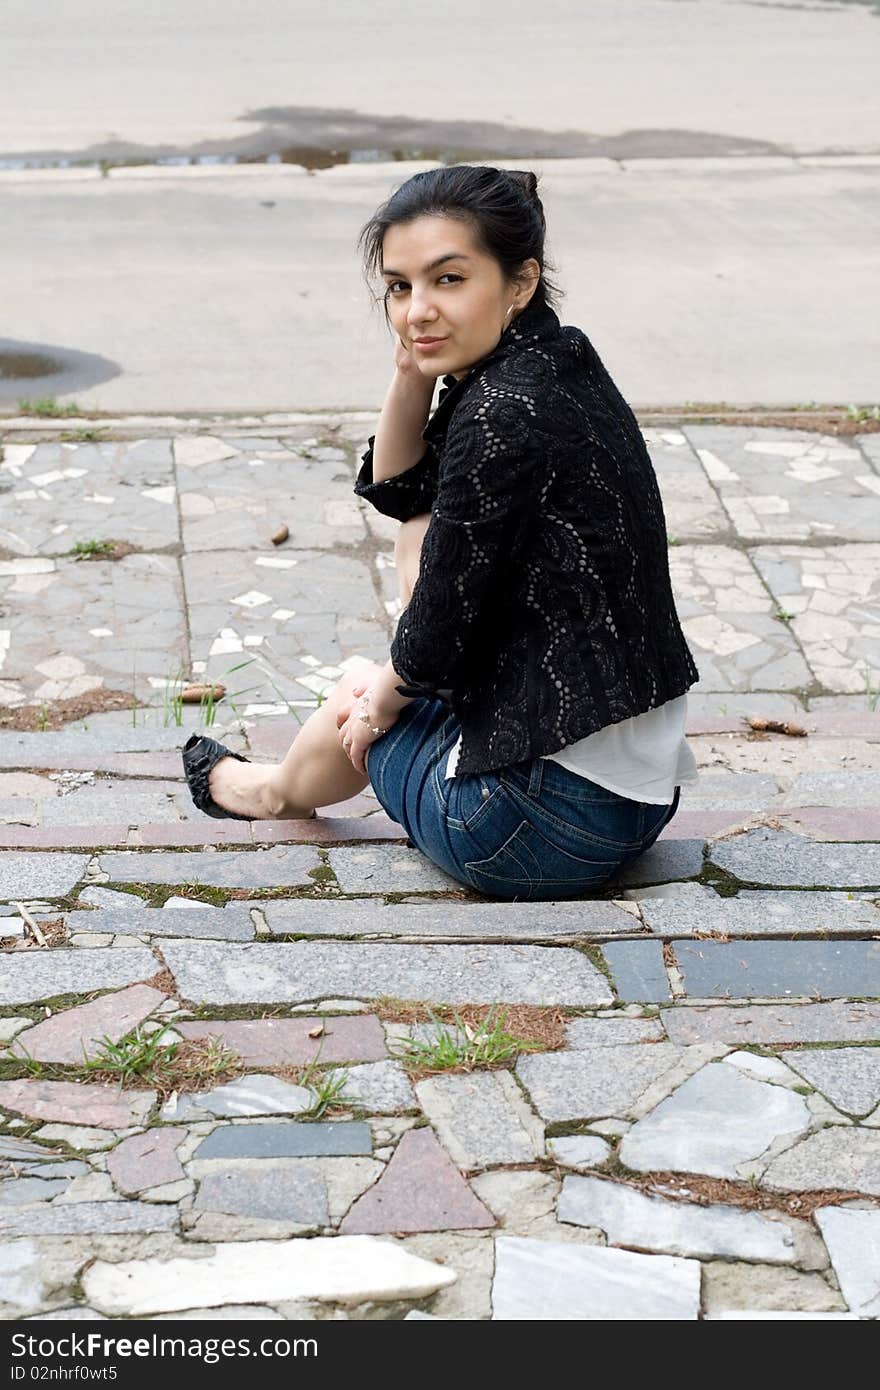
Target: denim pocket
(529, 865)
(581, 817)
(474, 799)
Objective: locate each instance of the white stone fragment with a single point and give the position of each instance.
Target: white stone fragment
(716, 469)
(193, 451)
(307, 660)
(252, 599)
(275, 562)
(60, 668)
(281, 615)
(27, 565)
(853, 1240)
(254, 639)
(548, 1280)
(782, 448)
(344, 1268)
(159, 494)
(100, 632)
(869, 481)
(227, 642)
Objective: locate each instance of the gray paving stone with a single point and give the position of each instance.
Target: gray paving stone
(47, 875)
(486, 920)
(757, 912)
(777, 857)
(214, 972)
(29, 976)
(293, 1140)
(836, 1021)
(595, 1081)
(281, 1192)
(20, 1191)
(555, 1280)
(762, 969)
(608, 1032)
(629, 1217)
(715, 1121)
(848, 1076)
(32, 749)
(383, 1088)
(853, 1240)
(86, 1218)
(482, 1118)
(230, 923)
(388, 869)
(282, 866)
(664, 862)
(845, 1156)
(581, 1151)
(638, 971)
(123, 803)
(848, 788)
(249, 1095)
(731, 791)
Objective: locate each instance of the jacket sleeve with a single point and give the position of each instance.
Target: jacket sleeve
(407, 493)
(489, 479)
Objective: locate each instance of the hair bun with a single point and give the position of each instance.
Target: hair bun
(526, 179)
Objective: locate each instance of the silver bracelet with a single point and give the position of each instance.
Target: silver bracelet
(365, 718)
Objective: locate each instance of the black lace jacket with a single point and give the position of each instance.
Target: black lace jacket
(543, 610)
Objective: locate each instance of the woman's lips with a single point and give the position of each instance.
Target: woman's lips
(432, 343)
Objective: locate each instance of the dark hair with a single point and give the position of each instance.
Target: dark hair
(501, 206)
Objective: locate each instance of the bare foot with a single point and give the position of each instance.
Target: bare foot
(243, 789)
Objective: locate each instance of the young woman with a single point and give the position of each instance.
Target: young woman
(528, 729)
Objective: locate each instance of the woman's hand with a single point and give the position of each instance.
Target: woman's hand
(354, 735)
(405, 362)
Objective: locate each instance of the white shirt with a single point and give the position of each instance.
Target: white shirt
(643, 758)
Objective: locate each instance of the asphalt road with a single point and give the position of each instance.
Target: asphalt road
(709, 168)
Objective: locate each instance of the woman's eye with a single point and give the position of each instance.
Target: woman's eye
(449, 275)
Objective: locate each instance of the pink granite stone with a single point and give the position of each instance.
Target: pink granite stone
(76, 1103)
(63, 836)
(277, 1041)
(74, 1033)
(327, 830)
(147, 1160)
(201, 830)
(702, 825)
(847, 824)
(420, 1190)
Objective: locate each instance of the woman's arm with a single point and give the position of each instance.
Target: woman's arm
(397, 443)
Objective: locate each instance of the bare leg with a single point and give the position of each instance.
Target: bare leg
(316, 770)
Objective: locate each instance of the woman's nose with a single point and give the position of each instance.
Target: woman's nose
(420, 309)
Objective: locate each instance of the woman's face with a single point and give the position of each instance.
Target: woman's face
(463, 300)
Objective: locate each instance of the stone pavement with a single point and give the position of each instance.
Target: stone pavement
(691, 1126)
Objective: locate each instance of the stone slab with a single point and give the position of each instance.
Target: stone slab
(841, 825)
(264, 1041)
(388, 869)
(764, 969)
(486, 920)
(777, 857)
(83, 1103)
(295, 1193)
(420, 1190)
(293, 1140)
(555, 1280)
(836, 1021)
(594, 1081)
(86, 1218)
(714, 1121)
(630, 1218)
(147, 1160)
(29, 975)
(844, 1156)
(847, 1076)
(609, 1032)
(25, 876)
(247, 1096)
(217, 973)
(758, 912)
(853, 1241)
(21, 1191)
(666, 861)
(336, 1268)
(638, 970)
(482, 1119)
(849, 788)
(383, 1088)
(230, 923)
(581, 1151)
(283, 866)
(75, 1034)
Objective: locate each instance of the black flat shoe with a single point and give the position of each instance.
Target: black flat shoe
(201, 753)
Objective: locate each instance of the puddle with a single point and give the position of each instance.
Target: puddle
(33, 370)
(319, 138)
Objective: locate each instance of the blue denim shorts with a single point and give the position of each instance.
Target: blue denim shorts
(532, 831)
